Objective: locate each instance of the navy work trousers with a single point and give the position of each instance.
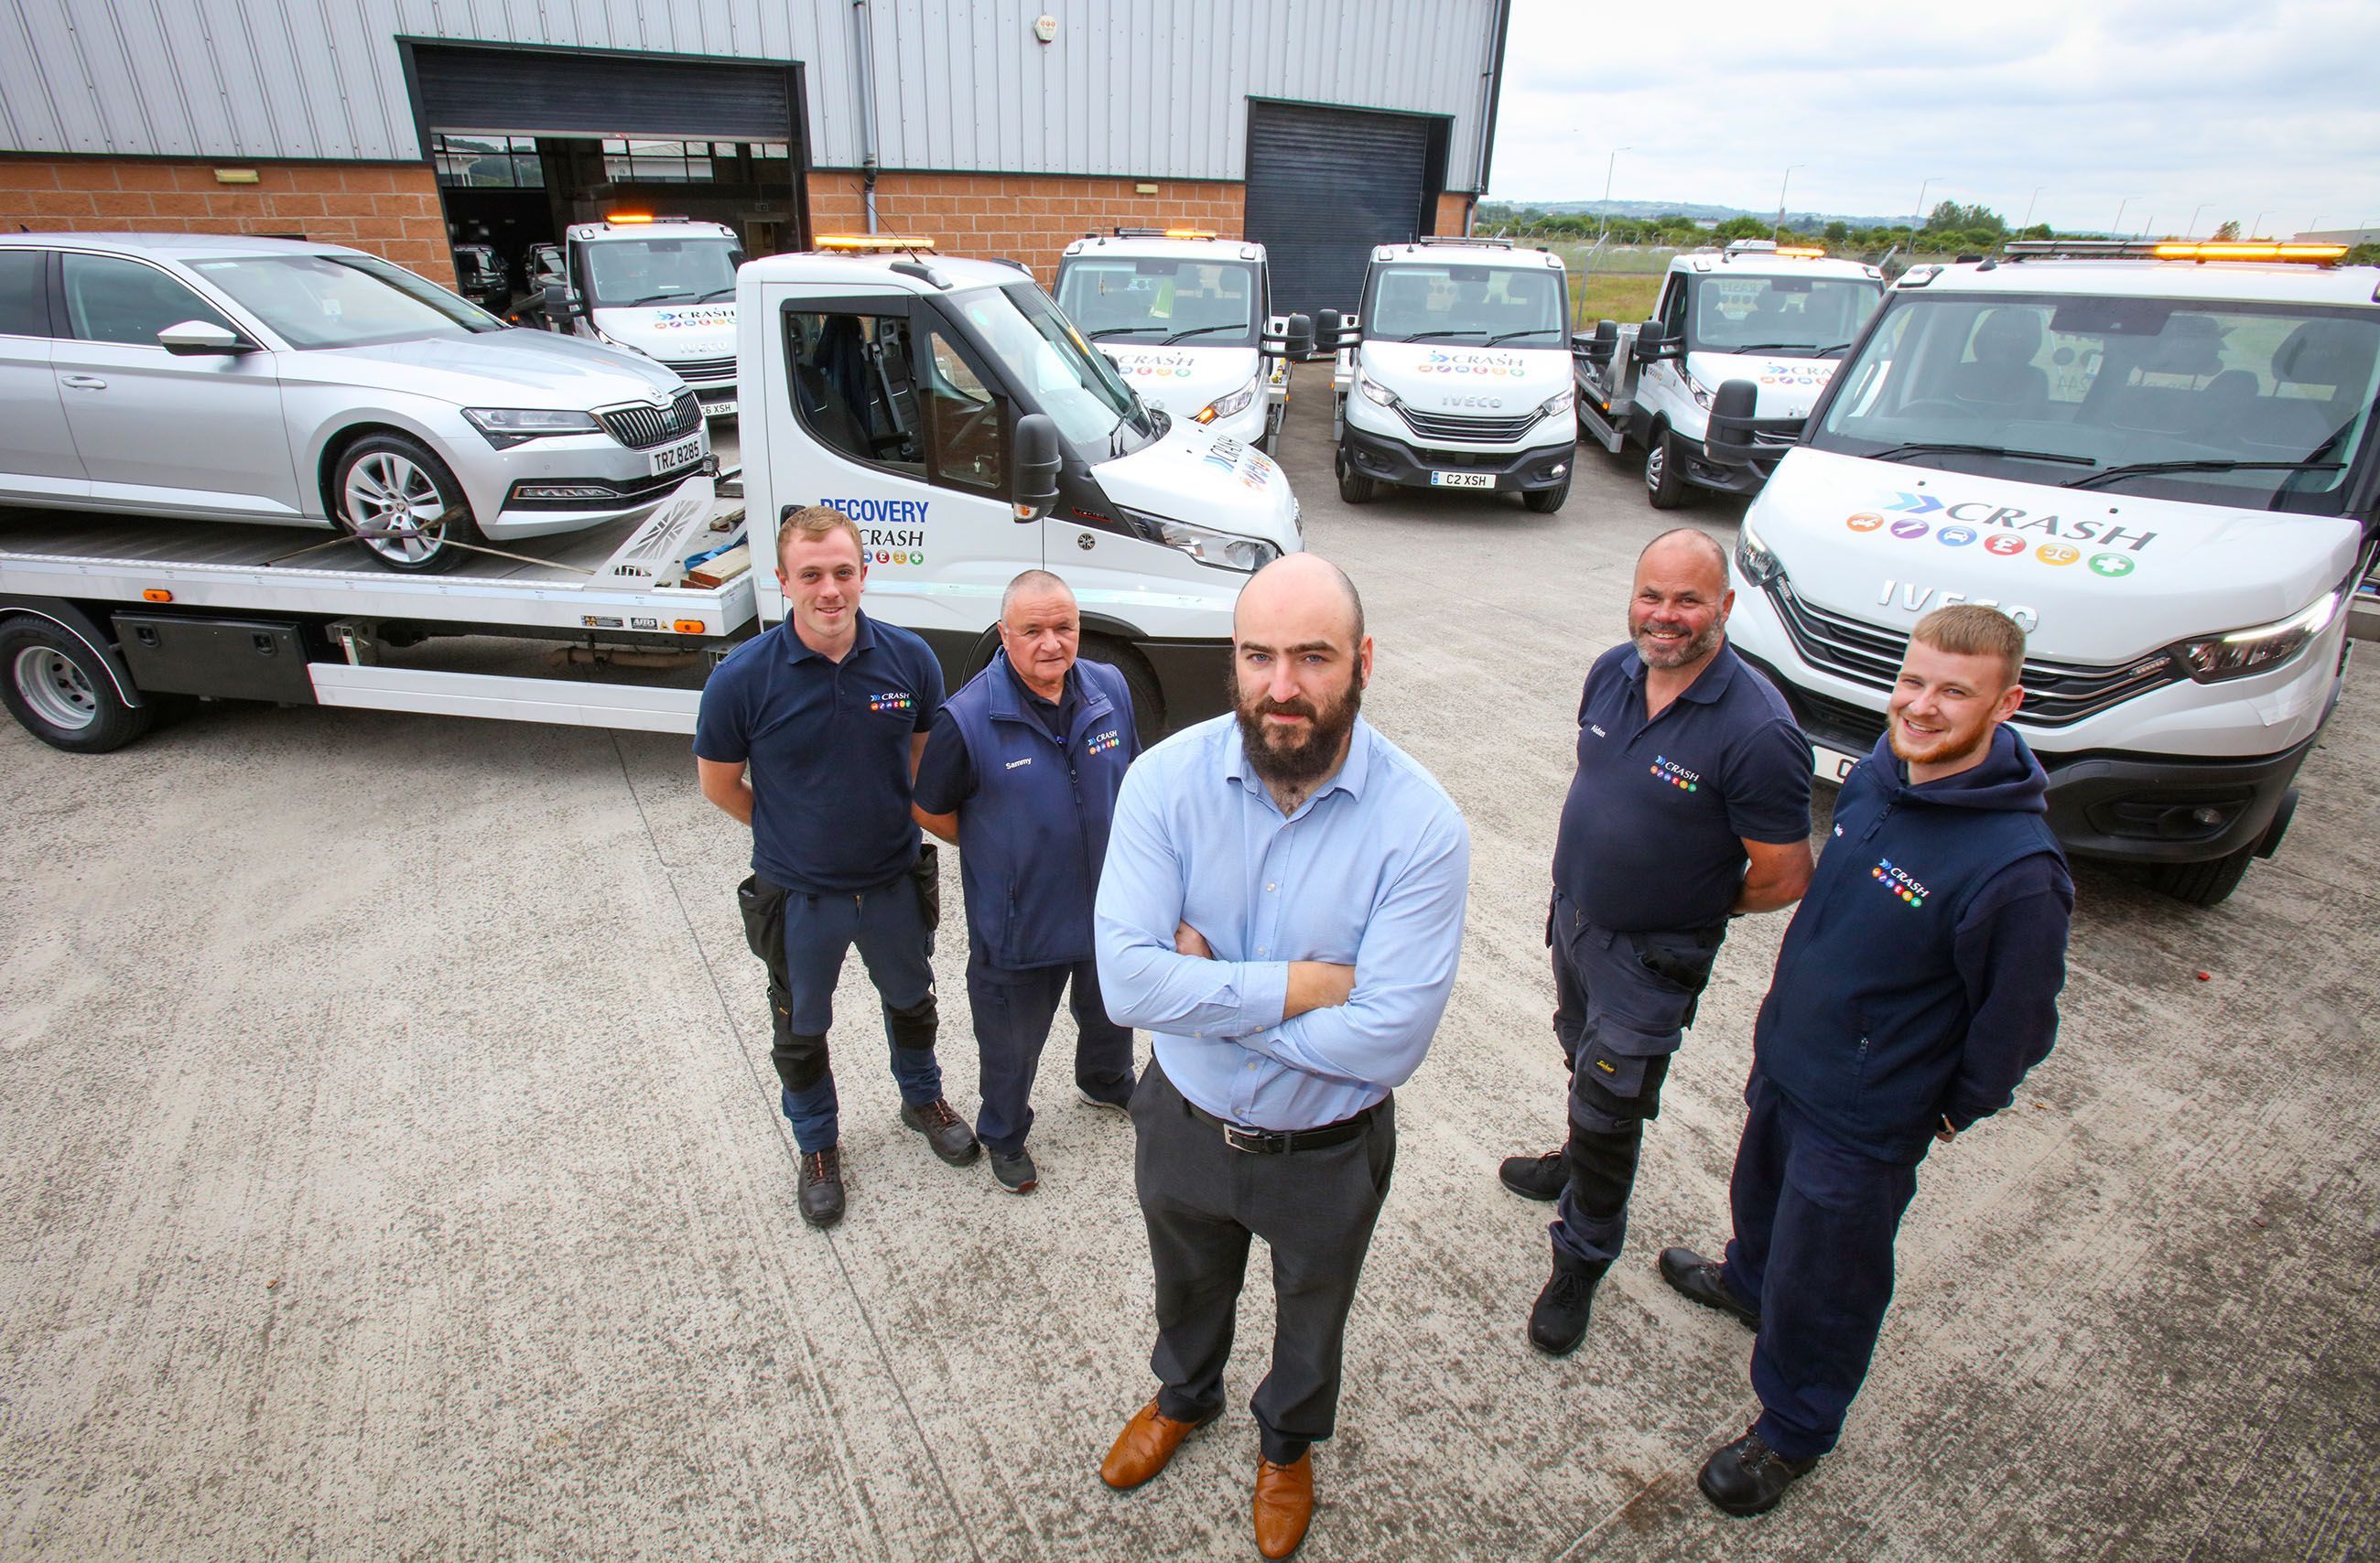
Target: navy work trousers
(1012, 1010)
(1623, 1002)
(1815, 1223)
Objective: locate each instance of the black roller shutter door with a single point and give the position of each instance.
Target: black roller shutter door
(556, 93)
(1324, 186)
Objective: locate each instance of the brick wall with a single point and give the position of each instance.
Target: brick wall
(1452, 209)
(1025, 217)
(390, 210)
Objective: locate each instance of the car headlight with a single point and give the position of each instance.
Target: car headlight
(1225, 550)
(1755, 560)
(1701, 397)
(1224, 406)
(2240, 652)
(1375, 391)
(1554, 406)
(506, 426)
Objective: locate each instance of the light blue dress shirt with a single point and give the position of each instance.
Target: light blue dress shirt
(1371, 871)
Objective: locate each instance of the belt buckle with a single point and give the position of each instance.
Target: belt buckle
(1250, 1140)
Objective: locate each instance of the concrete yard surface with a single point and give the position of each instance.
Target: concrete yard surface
(394, 1170)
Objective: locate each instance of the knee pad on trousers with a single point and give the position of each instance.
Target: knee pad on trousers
(1602, 1164)
(800, 1059)
(914, 1027)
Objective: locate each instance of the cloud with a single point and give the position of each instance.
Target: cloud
(2156, 106)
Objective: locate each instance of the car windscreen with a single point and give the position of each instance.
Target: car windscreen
(1055, 370)
(343, 301)
(629, 273)
(1797, 317)
(1479, 305)
(2216, 402)
(1116, 298)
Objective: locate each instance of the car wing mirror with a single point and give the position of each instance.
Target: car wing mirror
(200, 339)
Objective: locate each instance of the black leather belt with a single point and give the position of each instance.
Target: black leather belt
(1281, 1142)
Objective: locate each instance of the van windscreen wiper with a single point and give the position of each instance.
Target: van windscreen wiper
(1957, 447)
(2146, 468)
(1203, 331)
(1532, 331)
(1454, 330)
(1122, 330)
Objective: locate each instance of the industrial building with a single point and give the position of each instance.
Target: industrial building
(403, 126)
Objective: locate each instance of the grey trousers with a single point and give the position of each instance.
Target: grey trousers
(1313, 1209)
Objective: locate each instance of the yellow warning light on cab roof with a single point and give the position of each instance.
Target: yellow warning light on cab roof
(1189, 232)
(873, 241)
(1801, 253)
(629, 217)
(2233, 250)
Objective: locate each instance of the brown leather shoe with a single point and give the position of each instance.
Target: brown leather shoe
(1141, 1450)
(1284, 1505)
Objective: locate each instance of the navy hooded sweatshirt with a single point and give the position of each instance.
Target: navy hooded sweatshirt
(1919, 979)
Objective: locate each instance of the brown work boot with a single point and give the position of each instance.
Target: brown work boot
(1284, 1505)
(1141, 1450)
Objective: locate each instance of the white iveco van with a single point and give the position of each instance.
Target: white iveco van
(1186, 320)
(1456, 372)
(662, 286)
(2159, 460)
(925, 398)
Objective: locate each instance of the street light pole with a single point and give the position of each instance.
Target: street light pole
(1781, 188)
(1609, 164)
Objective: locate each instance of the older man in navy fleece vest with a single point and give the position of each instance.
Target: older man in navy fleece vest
(1917, 985)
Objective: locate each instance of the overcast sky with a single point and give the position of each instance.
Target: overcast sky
(2272, 107)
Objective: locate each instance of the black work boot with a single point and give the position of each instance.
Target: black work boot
(1558, 1322)
(945, 1130)
(1535, 1177)
(821, 1193)
(1704, 1281)
(1747, 1477)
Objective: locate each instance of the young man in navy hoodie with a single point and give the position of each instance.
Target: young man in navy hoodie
(1917, 985)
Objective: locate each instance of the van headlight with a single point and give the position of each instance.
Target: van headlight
(1375, 391)
(1224, 406)
(1755, 560)
(507, 426)
(1555, 406)
(1225, 550)
(2243, 651)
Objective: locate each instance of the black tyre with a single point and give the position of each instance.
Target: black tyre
(1148, 700)
(1354, 486)
(1545, 502)
(1665, 473)
(60, 690)
(394, 491)
(2202, 884)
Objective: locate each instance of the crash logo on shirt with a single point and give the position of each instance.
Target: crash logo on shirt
(1899, 882)
(1676, 775)
(891, 700)
(1103, 743)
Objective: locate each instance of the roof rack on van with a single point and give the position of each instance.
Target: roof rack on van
(2171, 249)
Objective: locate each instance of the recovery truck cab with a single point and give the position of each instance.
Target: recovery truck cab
(945, 406)
(1186, 320)
(1779, 317)
(662, 286)
(2158, 459)
(1455, 373)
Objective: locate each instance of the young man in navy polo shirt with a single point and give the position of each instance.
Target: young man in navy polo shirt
(1691, 805)
(1916, 987)
(810, 734)
(1022, 770)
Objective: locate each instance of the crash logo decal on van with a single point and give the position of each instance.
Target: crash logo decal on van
(1176, 365)
(893, 513)
(1809, 373)
(2057, 553)
(1899, 882)
(1865, 521)
(1253, 468)
(2112, 565)
(1507, 365)
(688, 320)
(1987, 515)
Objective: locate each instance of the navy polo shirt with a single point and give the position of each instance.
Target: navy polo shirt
(829, 748)
(1653, 832)
(946, 776)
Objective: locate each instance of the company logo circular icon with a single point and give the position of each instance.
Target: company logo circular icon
(2003, 544)
(883, 556)
(1909, 528)
(900, 557)
(2058, 554)
(1955, 537)
(2113, 564)
(1865, 521)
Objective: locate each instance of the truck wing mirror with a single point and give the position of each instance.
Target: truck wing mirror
(1654, 342)
(561, 303)
(202, 339)
(1036, 466)
(1334, 331)
(1598, 349)
(1290, 336)
(1729, 438)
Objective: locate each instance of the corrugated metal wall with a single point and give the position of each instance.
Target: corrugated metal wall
(1149, 87)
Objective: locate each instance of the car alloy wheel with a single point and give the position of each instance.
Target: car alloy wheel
(395, 507)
